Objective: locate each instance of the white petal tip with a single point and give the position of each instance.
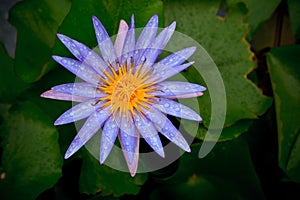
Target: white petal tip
(161, 152)
(67, 155)
(102, 158)
(187, 149)
(123, 26)
(132, 174)
(197, 118)
(101, 162)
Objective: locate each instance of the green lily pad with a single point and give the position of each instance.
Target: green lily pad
(10, 84)
(283, 63)
(31, 159)
(226, 173)
(96, 178)
(259, 12)
(227, 133)
(294, 12)
(224, 40)
(37, 23)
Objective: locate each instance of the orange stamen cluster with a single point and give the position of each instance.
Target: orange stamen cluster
(127, 89)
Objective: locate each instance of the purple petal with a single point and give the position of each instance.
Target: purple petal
(163, 72)
(129, 44)
(176, 109)
(79, 89)
(51, 94)
(108, 137)
(157, 46)
(81, 70)
(83, 53)
(177, 58)
(130, 146)
(79, 50)
(130, 141)
(177, 89)
(128, 137)
(119, 42)
(88, 130)
(165, 127)
(105, 44)
(149, 133)
(147, 35)
(78, 112)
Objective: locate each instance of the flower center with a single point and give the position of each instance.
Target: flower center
(127, 89)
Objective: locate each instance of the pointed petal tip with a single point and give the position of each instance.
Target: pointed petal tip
(44, 94)
(101, 160)
(160, 152)
(188, 150)
(56, 58)
(193, 49)
(103, 157)
(123, 25)
(67, 155)
(155, 16)
(95, 20)
(172, 26)
(132, 174)
(63, 38)
(57, 122)
(132, 22)
(154, 19)
(59, 35)
(199, 118)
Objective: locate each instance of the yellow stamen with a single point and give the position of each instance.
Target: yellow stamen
(126, 89)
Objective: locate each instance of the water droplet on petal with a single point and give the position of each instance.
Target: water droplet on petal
(177, 109)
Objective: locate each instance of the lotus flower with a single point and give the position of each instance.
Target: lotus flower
(124, 91)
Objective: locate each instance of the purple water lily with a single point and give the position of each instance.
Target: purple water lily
(124, 90)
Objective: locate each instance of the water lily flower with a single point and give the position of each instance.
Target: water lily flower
(124, 91)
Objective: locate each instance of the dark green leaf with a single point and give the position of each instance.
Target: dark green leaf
(226, 173)
(100, 178)
(224, 39)
(259, 12)
(10, 84)
(294, 12)
(283, 63)
(227, 133)
(37, 23)
(31, 158)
